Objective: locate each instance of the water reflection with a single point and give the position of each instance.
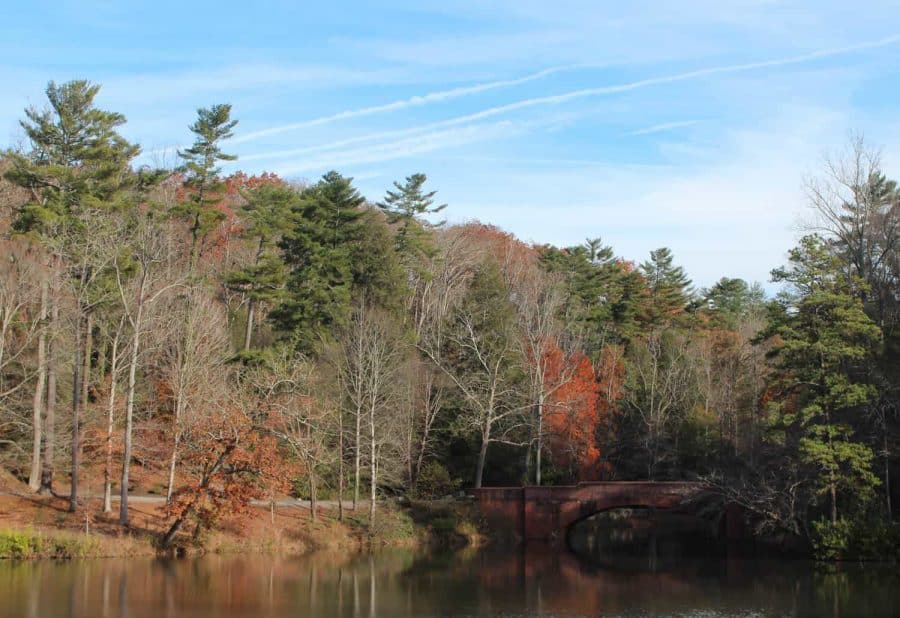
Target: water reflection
(646, 539)
(533, 581)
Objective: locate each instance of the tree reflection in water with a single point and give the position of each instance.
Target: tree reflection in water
(516, 582)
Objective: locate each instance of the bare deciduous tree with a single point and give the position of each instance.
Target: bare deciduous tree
(480, 354)
(657, 390)
(23, 311)
(198, 348)
(370, 358)
(859, 209)
(150, 254)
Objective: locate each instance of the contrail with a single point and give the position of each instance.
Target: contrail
(666, 126)
(667, 79)
(415, 101)
(533, 102)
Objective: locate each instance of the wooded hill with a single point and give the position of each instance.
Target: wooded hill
(247, 337)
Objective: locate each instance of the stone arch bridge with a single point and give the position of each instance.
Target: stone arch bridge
(546, 513)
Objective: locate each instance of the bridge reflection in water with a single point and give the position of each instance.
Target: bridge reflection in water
(530, 580)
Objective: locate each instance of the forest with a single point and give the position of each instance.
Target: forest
(246, 337)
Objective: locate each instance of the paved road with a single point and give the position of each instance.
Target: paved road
(284, 502)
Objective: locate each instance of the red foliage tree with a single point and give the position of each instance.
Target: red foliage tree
(581, 410)
(574, 415)
(228, 463)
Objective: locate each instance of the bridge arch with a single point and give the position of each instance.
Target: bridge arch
(546, 513)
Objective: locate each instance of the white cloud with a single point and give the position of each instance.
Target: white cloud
(733, 212)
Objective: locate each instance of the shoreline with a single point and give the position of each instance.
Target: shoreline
(40, 527)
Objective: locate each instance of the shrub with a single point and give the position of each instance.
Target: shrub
(26, 544)
(17, 545)
(434, 481)
(831, 541)
(856, 540)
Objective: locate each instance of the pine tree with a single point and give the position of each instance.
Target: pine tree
(606, 294)
(404, 208)
(669, 288)
(77, 159)
(269, 216)
(825, 338)
(730, 300)
(213, 125)
(319, 254)
(77, 165)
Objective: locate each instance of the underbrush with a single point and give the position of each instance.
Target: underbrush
(392, 526)
(856, 540)
(28, 544)
(448, 524)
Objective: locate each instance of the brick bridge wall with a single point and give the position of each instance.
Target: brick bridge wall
(544, 513)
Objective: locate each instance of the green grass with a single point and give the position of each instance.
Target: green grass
(28, 544)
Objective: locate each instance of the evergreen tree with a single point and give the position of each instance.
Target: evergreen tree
(77, 159)
(669, 288)
(605, 294)
(268, 216)
(730, 300)
(200, 166)
(78, 166)
(825, 339)
(319, 253)
(404, 208)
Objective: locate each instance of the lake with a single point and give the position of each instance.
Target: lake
(517, 582)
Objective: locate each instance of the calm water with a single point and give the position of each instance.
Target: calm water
(513, 583)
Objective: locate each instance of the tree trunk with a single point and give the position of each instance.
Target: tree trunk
(356, 449)
(129, 406)
(248, 332)
(540, 443)
(86, 366)
(410, 479)
(426, 431)
(76, 414)
(482, 453)
(173, 530)
(312, 494)
(372, 469)
(887, 475)
(50, 418)
(110, 418)
(526, 470)
(37, 406)
(340, 465)
(170, 484)
(834, 513)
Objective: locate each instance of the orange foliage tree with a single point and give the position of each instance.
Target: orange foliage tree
(227, 462)
(581, 410)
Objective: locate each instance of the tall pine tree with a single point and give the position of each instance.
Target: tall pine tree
(202, 181)
(268, 215)
(77, 165)
(824, 337)
(319, 254)
(669, 288)
(405, 208)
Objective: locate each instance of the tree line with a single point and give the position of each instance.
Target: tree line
(248, 337)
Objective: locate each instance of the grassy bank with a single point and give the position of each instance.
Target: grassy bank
(27, 544)
(36, 527)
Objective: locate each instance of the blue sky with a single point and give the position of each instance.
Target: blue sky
(685, 124)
